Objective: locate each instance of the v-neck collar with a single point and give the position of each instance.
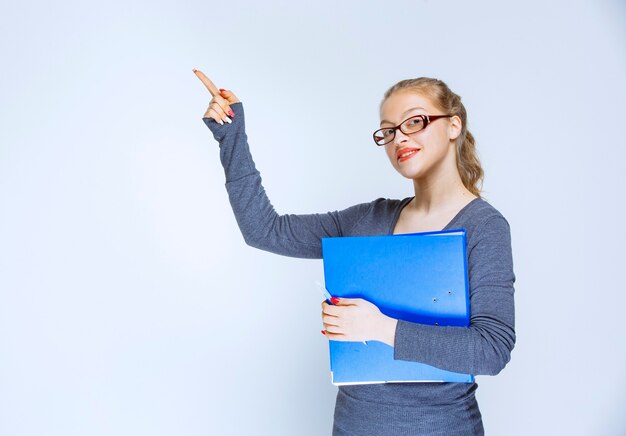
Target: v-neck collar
(406, 201)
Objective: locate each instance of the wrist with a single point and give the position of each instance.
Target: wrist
(388, 330)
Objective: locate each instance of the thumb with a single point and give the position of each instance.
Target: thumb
(229, 96)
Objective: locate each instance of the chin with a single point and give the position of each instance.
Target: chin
(410, 175)
(410, 172)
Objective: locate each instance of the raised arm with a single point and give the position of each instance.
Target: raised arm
(261, 226)
(485, 347)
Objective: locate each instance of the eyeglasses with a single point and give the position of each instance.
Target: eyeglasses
(408, 127)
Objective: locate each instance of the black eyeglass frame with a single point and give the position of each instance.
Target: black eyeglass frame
(427, 119)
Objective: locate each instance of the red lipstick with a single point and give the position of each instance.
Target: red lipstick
(412, 152)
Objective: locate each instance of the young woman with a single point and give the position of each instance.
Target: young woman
(423, 131)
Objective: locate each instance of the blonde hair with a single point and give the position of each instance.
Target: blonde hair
(448, 102)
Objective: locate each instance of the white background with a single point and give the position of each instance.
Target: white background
(129, 303)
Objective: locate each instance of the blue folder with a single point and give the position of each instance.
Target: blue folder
(417, 277)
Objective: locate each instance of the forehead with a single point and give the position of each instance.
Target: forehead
(395, 109)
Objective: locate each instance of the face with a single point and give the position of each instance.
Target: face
(434, 146)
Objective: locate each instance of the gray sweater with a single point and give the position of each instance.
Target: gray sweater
(483, 348)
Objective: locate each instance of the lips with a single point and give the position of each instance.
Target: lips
(406, 153)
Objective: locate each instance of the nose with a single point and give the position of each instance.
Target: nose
(400, 137)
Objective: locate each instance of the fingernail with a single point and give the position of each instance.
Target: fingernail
(334, 300)
(194, 70)
(228, 120)
(221, 122)
(323, 332)
(222, 89)
(231, 113)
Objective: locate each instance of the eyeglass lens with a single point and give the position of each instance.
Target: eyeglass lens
(412, 125)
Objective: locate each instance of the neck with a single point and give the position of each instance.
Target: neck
(440, 190)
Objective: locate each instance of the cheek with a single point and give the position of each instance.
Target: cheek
(433, 143)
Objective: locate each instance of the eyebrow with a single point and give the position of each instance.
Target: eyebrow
(403, 113)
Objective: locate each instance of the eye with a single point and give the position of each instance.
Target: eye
(413, 122)
(385, 133)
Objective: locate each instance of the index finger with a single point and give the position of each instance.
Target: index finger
(207, 82)
(331, 310)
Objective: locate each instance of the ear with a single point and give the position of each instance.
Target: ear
(454, 127)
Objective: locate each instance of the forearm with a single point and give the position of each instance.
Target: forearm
(483, 348)
(235, 153)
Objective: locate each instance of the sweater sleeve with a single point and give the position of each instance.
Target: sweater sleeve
(483, 348)
(261, 226)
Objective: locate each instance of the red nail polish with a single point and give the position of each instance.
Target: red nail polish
(231, 113)
(334, 300)
(323, 332)
(222, 89)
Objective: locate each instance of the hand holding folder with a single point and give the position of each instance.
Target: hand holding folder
(329, 298)
(419, 277)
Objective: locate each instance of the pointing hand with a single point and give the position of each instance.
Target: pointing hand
(219, 107)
